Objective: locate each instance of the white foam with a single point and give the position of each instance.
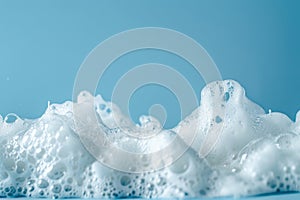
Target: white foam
(238, 150)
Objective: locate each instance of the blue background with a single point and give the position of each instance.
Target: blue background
(43, 43)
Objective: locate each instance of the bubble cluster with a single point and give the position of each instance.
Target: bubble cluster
(255, 152)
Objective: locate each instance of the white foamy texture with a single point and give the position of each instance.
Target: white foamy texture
(238, 150)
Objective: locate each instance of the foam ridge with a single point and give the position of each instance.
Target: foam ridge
(238, 150)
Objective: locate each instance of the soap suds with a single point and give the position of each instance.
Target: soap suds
(238, 150)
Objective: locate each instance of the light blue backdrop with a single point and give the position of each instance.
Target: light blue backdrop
(43, 43)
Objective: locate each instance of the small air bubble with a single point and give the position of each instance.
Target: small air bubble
(277, 190)
(202, 192)
(11, 118)
(281, 185)
(31, 189)
(180, 166)
(3, 175)
(125, 180)
(31, 182)
(226, 96)
(70, 180)
(43, 183)
(108, 110)
(53, 107)
(84, 94)
(9, 164)
(102, 106)
(132, 169)
(41, 193)
(150, 187)
(21, 167)
(56, 188)
(20, 189)
(287, 169)
(67, 188)
(20, 179)
(286, 179)
(218, 119)
(40, 152)
(284, 141)
(272, 183)
(6, 189)
(160, 181)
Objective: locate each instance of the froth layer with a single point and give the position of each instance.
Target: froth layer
(232, 148)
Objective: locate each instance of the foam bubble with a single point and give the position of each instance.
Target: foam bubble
(238, 150)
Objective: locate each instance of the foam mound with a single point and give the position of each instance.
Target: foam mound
(233, 148)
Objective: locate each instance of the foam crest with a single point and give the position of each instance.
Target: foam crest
(232, 148)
